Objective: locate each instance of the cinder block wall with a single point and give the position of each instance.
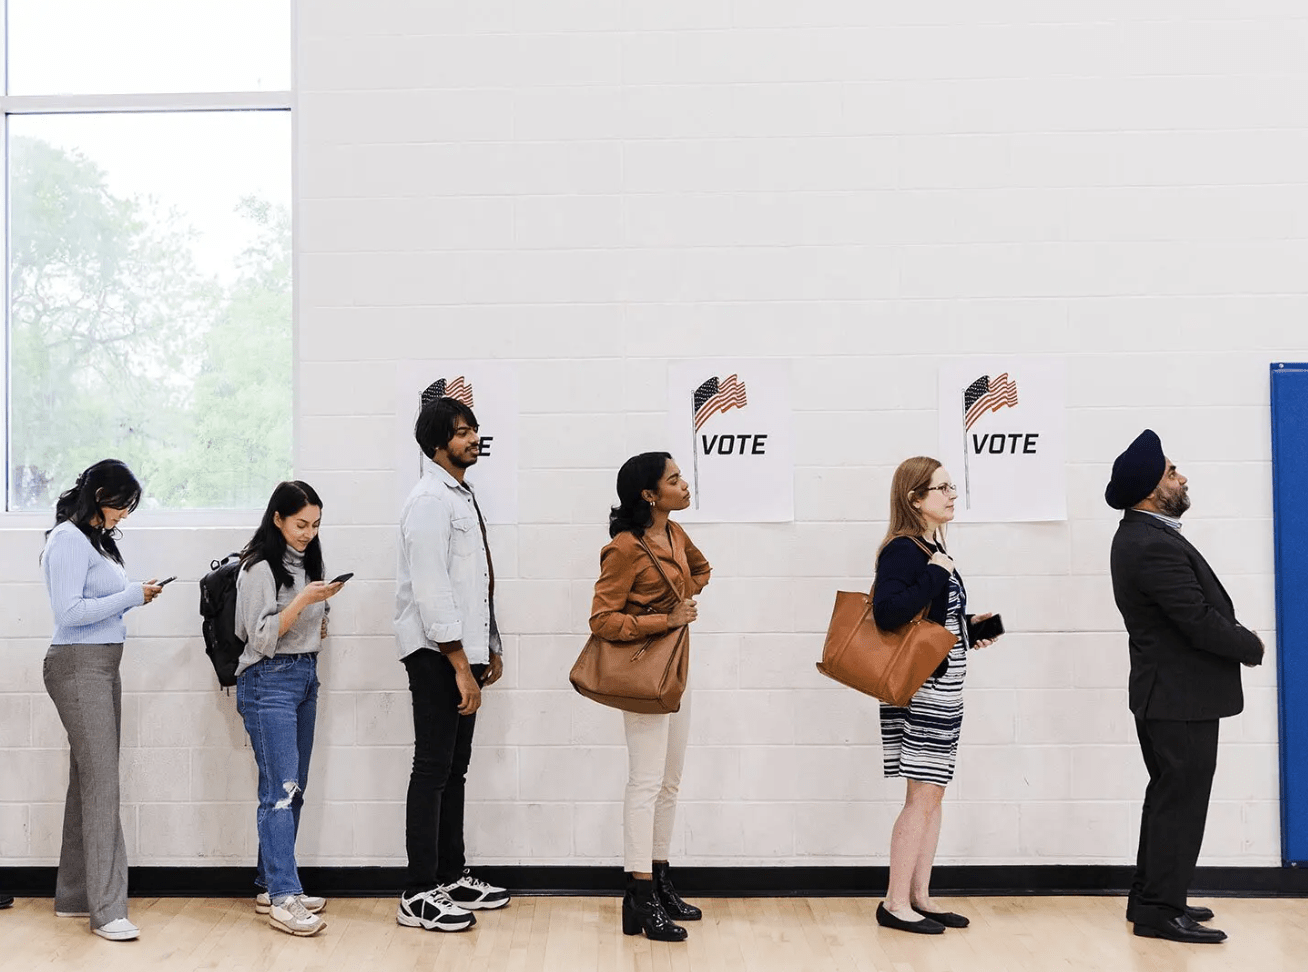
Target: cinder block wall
(593, 187)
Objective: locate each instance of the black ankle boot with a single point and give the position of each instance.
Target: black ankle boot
(668, 897)
(641, 911)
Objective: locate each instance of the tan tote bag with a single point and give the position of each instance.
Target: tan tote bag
(647, 676)
(889, 665)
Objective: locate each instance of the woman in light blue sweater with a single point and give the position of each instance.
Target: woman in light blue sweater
(89, 594)
(281, 615)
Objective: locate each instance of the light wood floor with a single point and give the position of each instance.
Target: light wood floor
(572, 934)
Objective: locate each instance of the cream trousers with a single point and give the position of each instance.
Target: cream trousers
(656, 753)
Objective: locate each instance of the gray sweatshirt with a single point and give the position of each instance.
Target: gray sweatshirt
(259, 605)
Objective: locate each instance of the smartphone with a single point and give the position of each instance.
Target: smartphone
(342, 579)
(166, 581)
(991, 627)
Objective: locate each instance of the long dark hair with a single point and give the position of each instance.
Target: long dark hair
(268, 543)
(637, 474)
(108, 483)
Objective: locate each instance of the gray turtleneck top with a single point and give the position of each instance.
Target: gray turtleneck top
(259, 605)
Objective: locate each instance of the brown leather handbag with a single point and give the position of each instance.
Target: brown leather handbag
(889, 665)
(647, 676)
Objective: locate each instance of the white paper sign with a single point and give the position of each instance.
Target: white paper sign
(731, 429)
(490, 389)
(1003, 437)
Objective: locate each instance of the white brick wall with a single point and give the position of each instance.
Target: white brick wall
(591, 187)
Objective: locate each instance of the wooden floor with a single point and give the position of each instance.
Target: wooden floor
(571, 934)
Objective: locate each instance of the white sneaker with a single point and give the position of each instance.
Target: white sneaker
(293, 918)
(434, 911)
(118, 930)
(474, 895)
(313, 905)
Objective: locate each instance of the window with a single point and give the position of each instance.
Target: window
(149, 286)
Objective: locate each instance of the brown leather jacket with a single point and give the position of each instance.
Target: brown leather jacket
(631, 600)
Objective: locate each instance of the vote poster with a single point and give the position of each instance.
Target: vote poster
(490, 389)
(731, 429)
(1003, 437)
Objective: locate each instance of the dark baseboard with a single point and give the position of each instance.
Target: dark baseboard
(729, 882)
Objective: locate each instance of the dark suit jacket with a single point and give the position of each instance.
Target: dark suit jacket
(1186, 645)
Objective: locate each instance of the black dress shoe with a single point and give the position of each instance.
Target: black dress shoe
(1193, 912)
(6, 900)
(1182, 928)
(924, 927)
(946, 918)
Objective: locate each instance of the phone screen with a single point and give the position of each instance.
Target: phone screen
(166, 581)
(989, 628)
(342, 578)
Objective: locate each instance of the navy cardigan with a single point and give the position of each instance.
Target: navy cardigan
(906, 581)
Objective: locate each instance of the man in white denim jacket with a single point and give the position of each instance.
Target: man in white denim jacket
(447, 637)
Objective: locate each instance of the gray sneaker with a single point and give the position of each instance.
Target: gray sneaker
(313, 905)
(292, 917)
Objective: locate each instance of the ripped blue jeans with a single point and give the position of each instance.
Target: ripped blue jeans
(278, 699)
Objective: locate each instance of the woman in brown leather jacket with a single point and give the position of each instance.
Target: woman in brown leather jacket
(627, 595)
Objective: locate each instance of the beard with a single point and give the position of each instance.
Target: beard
(1173, 503)
(463, 462)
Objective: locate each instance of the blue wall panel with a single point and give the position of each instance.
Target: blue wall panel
(1290, 505)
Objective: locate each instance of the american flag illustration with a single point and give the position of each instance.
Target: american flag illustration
(710, 398)
(984, 395)
(713, 397)
(460, 389)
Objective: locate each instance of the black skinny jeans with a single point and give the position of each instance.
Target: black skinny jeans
(442, 747)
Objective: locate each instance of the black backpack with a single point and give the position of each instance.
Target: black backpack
(218, 608)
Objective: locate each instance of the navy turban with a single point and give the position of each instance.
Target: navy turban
(1136, 471)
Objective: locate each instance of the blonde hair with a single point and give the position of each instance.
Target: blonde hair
(911, 480)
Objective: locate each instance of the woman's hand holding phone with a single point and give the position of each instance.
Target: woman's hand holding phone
(986, 629)
(153, 586)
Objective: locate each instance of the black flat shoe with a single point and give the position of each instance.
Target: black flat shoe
(1182, 928)
(924, 927)
(6, 900)
(1193, 912)
(946, 918)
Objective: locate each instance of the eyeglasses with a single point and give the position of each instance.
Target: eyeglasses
(943, 488)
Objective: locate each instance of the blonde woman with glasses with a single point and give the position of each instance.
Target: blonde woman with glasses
(920, 741)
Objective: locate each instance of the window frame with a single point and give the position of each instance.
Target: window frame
(217, 101)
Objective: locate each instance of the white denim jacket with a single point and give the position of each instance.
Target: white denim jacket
(442, 589)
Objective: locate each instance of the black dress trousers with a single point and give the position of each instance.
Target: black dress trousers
(1181, 757)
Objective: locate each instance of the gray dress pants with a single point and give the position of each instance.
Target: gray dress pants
(84, 682)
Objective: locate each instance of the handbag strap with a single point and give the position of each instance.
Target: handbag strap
(659, 567)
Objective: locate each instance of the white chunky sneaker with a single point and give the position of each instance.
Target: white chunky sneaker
(313, 905)
(293, 918)
(118, 930)
(434, 911)
(474, 895)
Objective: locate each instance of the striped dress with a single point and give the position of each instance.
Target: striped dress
(920, 742)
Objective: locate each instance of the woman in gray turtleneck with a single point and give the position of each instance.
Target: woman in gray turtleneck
(282, 615)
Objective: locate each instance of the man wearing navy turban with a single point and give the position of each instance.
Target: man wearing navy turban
(1186, 651)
